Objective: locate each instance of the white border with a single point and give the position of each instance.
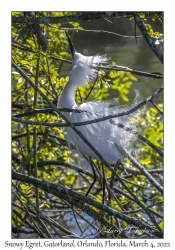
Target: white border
(5, 94)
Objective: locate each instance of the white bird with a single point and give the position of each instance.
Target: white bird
(107, 138)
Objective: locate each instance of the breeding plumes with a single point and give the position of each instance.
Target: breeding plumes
(110, 141)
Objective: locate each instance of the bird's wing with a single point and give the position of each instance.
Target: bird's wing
(106, 130)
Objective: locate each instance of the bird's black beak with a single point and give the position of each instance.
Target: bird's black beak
(72, 49)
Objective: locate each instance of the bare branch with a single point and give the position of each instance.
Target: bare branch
(99, 31)
(66, 193)
(75, 124)
(38, 31)
(109, 67)
(145, 172)
(136, 72)
(83, 16)
(119, 68)
(147, 36)
(80, 111)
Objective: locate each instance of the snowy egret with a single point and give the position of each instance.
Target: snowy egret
(107, 138)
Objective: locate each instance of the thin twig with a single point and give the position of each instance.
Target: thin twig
(109, 67)
(76, 219)
(99, 31)
(135, 32)
(118, 68)
(36, 79)
(35, 167)
(145, 172)
(66, 193)
(136, 72)
(156, 107)
(159, 99)
(147, 36)
(27, 129)
(139, 136)
(90, 90)
(35, 227)
(29, 201)
(49, 78)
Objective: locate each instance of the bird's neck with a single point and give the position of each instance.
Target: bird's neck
(67, 97)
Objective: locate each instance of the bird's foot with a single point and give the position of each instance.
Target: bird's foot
(119, 163)
(76, 199)
(101, 213)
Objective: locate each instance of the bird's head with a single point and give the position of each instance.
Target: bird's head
(83, 67)
(72, 49)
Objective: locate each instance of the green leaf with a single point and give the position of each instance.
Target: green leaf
(151, 32)
(125, 98)
(161, 224)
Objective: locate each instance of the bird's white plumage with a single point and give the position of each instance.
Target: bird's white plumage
(107, 138)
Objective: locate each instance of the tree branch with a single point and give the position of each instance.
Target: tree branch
(80, 170)
(66, 194)
(118, 68)
(75, 124)
(84, 16)
(147, 37)
(109, 67)
(108, 117)
(98, 31)
(136, 72)
(132, 171)
(38, 31)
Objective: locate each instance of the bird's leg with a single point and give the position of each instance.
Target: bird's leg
(104, 183)
(112, 182)
(95, 176)
(115, 167)
(119, 162)
(91, 163)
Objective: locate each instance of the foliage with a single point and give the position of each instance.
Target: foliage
(154, 17)
(49, 146)
(152, 128)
